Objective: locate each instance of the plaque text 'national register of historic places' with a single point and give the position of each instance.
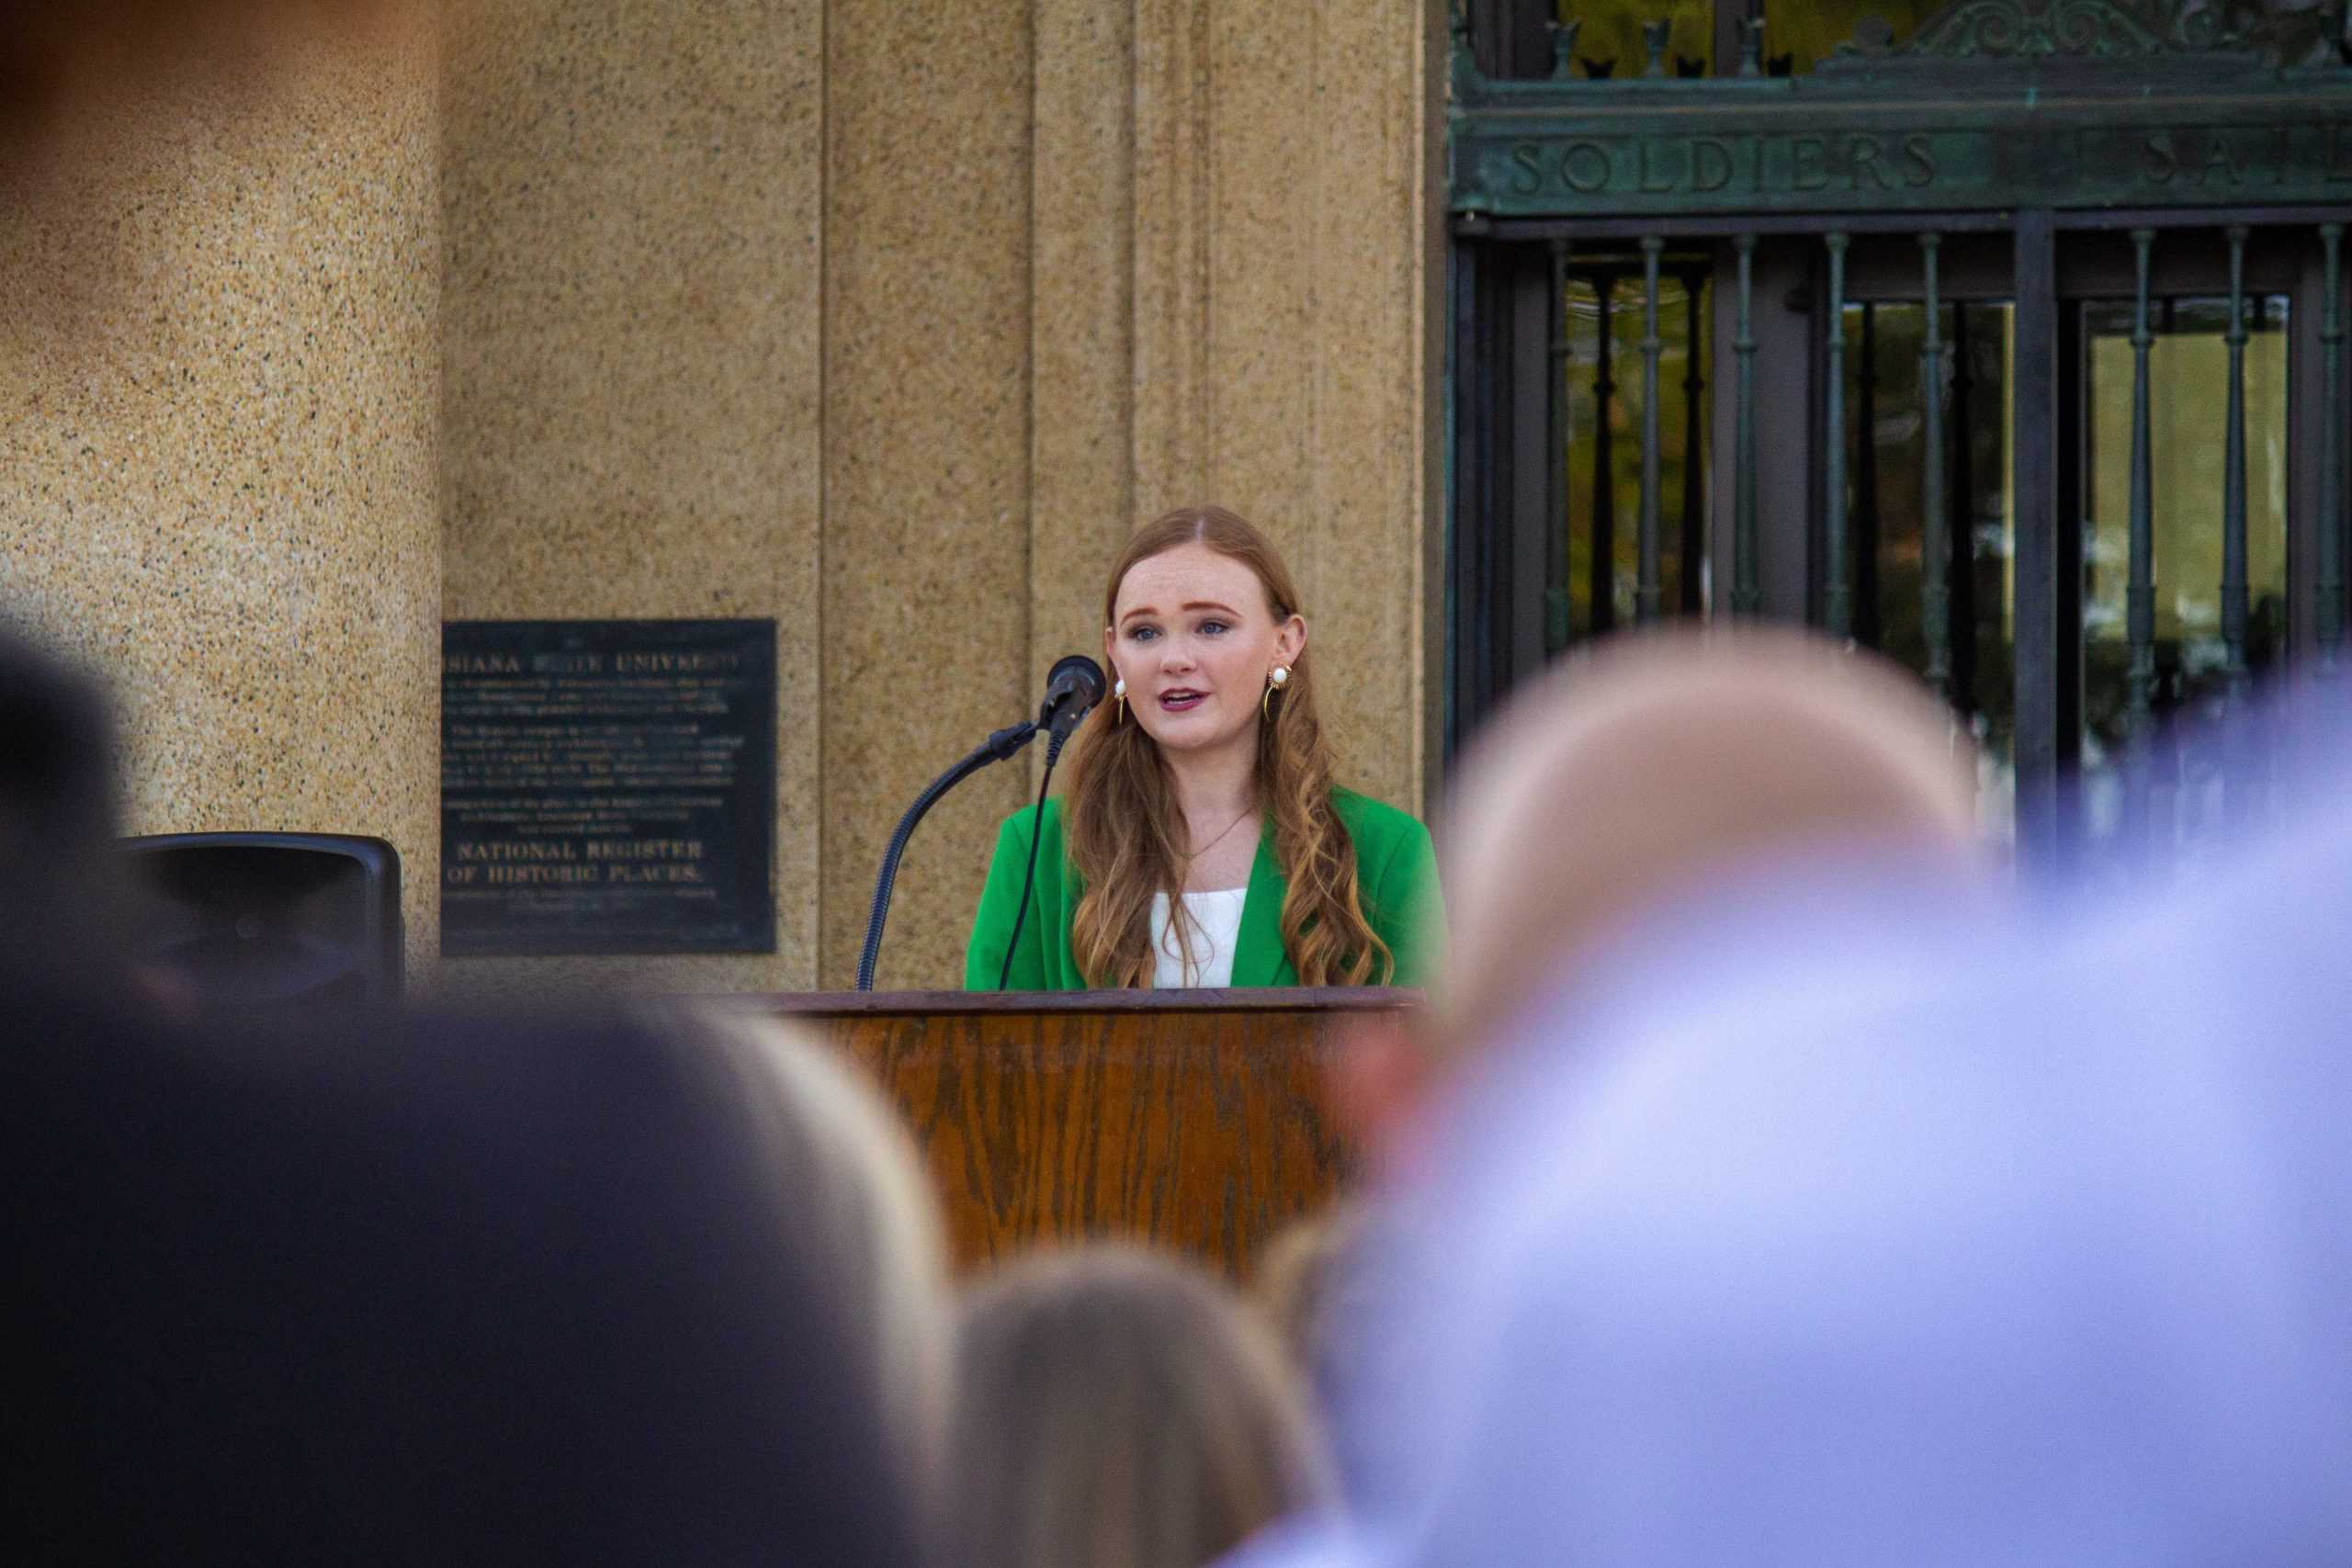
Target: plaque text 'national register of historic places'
(608, 786)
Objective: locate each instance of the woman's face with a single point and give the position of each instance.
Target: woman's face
(1193, 638)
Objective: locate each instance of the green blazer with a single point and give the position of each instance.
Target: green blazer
(1395, 868)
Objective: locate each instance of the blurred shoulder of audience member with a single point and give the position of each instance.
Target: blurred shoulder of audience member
(1118, 1409)
(445, 1291)
(842, 1155)
(62, 904)
(2035, 1254)
(1666, 766)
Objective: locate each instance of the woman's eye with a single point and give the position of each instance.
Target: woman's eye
(1144, 634)
(1214, 628)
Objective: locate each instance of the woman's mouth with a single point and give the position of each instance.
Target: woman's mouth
(1181, 699)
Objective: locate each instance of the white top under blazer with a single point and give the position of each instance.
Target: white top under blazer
(1214, 923)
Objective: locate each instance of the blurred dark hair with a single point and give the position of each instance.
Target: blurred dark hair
(64, 908)
(56, 55)
(431, 1290)
(1116, 1409)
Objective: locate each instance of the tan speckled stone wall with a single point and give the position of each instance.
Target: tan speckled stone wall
(1226, 292)
(1302, 367)
(883, 321)
(633, 323)
(927, 480)
(1082, 459)
(890, 322)
(1235, 253)
(220, 363)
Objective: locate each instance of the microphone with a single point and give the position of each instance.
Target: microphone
(1072, 688)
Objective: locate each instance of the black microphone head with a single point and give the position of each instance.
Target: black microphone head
(1075, 672)
(1072, 687)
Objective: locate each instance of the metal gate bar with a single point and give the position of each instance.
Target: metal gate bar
(2234, 578)
(1746, 593)
(1935, 598)
(1836, 607)
(2328, 623)
(1648, 593)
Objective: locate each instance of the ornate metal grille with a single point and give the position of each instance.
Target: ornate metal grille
(1967, 236)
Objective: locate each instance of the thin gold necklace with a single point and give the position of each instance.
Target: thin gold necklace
(1247, 812)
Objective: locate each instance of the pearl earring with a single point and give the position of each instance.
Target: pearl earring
(1119, 690)
(1275, 680)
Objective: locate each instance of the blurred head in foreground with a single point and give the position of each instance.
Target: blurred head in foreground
(1663, 766)
(1114, 1409)
(1303, 1285)
(61, 64)
(62, 904)
(1630, 779)
(847, 1162)
(2033, 1250)
(429, 1290)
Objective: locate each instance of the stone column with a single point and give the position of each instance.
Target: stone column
(927, 447)
(1288, 257)
(220, 354)
(634, 193)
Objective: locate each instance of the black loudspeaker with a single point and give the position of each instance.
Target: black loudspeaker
(240, 921)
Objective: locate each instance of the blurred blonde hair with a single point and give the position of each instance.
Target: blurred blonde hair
(1117, 1409)
(840, 1150)
(1301, 1282)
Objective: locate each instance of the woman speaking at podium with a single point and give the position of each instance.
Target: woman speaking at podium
(1201, 842)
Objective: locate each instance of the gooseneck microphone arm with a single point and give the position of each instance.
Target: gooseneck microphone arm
(1029, 877)
(1074, 685)
(998, 746)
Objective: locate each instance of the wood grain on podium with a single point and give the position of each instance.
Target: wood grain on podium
(1195, 1120)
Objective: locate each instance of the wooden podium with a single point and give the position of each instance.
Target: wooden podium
(1192, 1119)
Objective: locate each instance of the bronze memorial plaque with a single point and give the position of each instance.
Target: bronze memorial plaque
(608, 786)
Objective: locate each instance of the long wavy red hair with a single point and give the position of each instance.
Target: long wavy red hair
(1124, 830)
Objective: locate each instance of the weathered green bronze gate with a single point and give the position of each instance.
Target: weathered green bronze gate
(2014, 347)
